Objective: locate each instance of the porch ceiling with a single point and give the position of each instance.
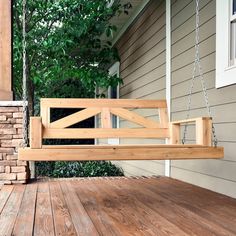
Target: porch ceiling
(115, 206)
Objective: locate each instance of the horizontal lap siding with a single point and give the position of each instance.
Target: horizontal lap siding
(217, 175)
(142, 68)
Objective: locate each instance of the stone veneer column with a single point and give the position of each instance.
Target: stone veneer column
(11, 169)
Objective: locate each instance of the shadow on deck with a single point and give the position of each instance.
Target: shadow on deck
(115, 206)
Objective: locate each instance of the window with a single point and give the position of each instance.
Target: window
(232, 59)
(225, 43)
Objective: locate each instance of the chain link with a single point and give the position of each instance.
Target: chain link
(197, 65)
(24, 86)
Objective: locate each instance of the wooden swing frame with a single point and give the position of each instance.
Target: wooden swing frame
(42, 128)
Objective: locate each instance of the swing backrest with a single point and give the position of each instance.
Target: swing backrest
(104, 108)
(43, 128)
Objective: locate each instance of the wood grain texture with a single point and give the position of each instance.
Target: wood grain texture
(209, 223)
(163, 116)
(106, 118)
(43, 216)
(84, 103)
(62, 219)
(193, 203)
(5, 193)
(45, 114)
(91, 200)
(107, 107)
(24, 224)
(203, 131)
(6, 95)
(81, 220)
(117, 206)
(121, 192)
(116, 153)
(136, 118)
(191, 120)
(5, 52)
(174, 133)
(36, 131)
(10, 211)
(87, 133)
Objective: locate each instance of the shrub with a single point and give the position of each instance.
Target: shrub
(78, 169)
(45, 168)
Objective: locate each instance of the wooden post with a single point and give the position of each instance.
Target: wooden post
(204, 131)
(174, 133)
(45, 113)
(5, 51)
(35, 132)
(106, 118)
(163, 117)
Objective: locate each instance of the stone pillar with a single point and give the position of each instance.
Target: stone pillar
(5, 51)
(11, 169)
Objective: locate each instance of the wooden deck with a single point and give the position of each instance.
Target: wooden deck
(125, 206)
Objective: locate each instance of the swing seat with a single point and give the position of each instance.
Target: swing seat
(42, 128)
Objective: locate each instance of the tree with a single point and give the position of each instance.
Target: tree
(64, 45)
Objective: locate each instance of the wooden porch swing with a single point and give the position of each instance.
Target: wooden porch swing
(42, 128)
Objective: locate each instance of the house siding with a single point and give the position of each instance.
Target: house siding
(142, 68)
(142, 53)
(217, 175)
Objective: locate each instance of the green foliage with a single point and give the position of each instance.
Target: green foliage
(78, 169)
(66, 40)
(68, 52)
(45, 168)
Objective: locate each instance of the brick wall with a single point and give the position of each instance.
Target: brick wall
(11, 170)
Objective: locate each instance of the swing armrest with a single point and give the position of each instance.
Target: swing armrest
(203, 126)
(191, 120)
(36, 129)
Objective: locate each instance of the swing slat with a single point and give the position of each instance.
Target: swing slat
(120, 152)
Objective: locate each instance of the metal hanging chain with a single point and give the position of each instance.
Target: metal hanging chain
(197, 65)
(24, 86)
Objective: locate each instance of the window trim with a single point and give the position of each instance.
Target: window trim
(225, 74)
(115, 70)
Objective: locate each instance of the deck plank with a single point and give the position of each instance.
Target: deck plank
(25, 219)
(129, 215)
(43, 215)
(90, 199)
(225, 205)
(4, 195)
(155, 221)
(197, 220)
(62, 219)
(186, 220)
(213, 209)
(82, 222)
(10, 211)
(118, 218)
(115, 206)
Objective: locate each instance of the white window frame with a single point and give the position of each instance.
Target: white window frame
(225, 74)
(115, 70)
